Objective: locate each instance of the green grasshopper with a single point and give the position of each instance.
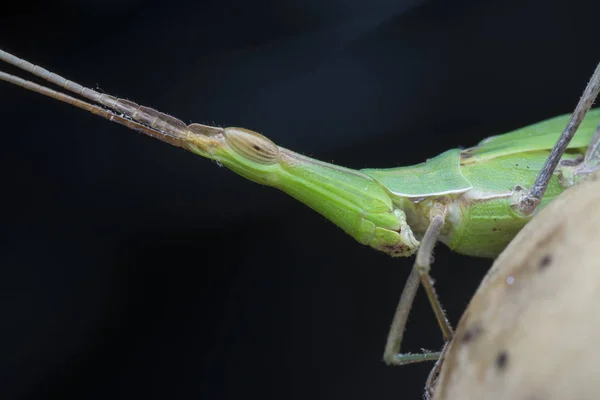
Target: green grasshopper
(474, 200)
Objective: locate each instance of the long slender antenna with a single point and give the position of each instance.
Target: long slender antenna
(93, 108)
(143, 119)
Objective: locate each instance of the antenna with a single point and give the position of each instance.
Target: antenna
(140, 118)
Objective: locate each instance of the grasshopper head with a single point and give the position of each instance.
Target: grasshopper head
(354, 201)
(246, 152)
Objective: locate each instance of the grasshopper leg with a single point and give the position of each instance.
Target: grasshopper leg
(591, 161)
(592, 156)
(435, 372)
(529, 202)
(419, 273)
(589, 164)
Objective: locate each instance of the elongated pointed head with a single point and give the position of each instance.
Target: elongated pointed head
(248, 153)
(352, 200)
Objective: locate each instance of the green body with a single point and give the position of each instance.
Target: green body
(389, 209)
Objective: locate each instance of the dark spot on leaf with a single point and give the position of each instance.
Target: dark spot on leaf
(256, 147)
(494, 229)
(545, 261)
(501, 360)
(472, 333)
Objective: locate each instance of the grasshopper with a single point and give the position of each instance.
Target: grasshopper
(474, 200)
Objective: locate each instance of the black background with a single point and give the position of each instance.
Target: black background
(130, 269)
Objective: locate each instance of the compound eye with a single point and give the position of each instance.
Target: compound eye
(252, 145)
